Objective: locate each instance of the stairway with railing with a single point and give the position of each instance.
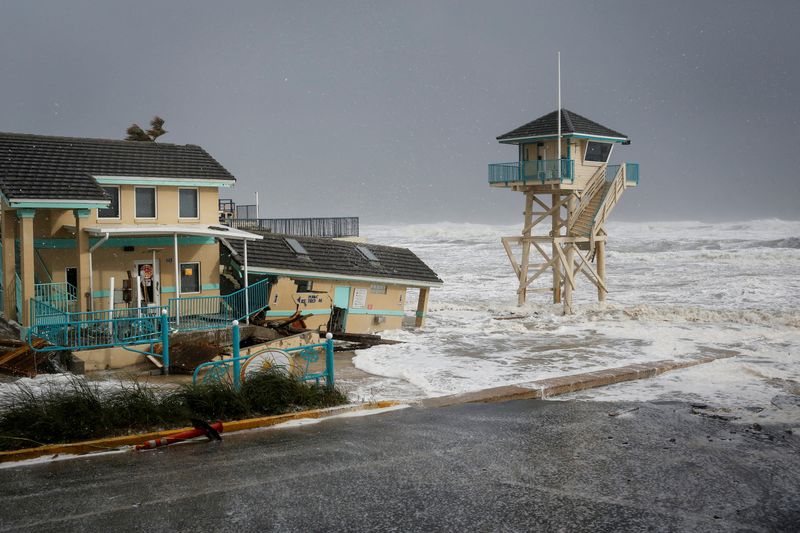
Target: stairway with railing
(195, 313)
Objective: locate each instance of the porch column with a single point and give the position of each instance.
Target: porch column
(422, 306)
(27, 274)
(85, 297)
(177, 265)
(9, 264)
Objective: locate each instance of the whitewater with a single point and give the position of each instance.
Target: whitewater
(676, 289)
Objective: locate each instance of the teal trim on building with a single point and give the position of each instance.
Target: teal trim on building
(210, 287)
(100, 294)
(81, 213)
(58, 205)
(121, 242)
(165, 182)
(382, 312)
(167, 290)
(26, 213)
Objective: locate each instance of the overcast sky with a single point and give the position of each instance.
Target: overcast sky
(389, 110)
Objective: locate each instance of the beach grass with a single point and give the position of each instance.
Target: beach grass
(79, 409)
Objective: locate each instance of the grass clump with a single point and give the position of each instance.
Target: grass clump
(79, 409)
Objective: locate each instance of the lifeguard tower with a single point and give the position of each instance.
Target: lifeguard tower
(570, 190)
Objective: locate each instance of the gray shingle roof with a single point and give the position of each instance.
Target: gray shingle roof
(331, 256)
(571, 122)
(44, 167)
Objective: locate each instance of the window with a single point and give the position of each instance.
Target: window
(377, 289)
(112, 211)
(296, 247)
(188, 203)
(366, 252)
(303, 285)
(145, 202)
(597, 152)
(190, 277)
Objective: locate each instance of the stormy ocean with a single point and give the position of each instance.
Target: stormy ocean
(677, 289)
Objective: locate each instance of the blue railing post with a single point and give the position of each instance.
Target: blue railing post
(329, 359)
(165, 340)
(236, 363)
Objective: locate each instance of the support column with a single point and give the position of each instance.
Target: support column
(556, 231)
(569, 268)
(9, 264)
(27, 273)
(526, 249)
(84, 268)
(600, 254)
(422, 306)
(246, 283)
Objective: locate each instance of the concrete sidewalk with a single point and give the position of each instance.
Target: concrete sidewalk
(521, 465)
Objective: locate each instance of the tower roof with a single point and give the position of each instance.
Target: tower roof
(571, 124)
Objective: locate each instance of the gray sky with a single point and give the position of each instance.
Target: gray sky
(389, 110)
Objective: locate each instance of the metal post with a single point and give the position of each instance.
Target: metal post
(246, 285)
(329, 359)
(177, 279)
(236, 364)
(165, 340)
(111, 306)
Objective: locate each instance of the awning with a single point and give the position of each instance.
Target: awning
(222, 232)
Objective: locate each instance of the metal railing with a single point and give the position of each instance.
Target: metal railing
(98, 329)
(193, 313)
(302, 227)
(231, 368)
(542, 170)
(63, 296)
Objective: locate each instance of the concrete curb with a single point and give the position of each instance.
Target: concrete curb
(111, 443)
(546, 388)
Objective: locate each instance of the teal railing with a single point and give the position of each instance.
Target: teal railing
(193, 313)
(632, 173)
(63, 296)
(18, 290)
(96, 329)
(541, 171)
(232, 366)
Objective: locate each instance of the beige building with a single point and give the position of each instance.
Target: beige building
(113, 224)
(342, 286)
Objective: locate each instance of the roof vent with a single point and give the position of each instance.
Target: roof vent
(296, 247)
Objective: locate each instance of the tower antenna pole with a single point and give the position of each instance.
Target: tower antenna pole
(558, 162)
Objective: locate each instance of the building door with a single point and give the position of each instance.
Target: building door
(341, 301)
(149, 282)
(71, 275)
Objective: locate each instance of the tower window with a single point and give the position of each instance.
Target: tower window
(597, 152)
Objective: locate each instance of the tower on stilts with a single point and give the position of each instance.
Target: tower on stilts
(570, 189)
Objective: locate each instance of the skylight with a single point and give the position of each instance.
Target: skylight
(366, 252)
(296, 246)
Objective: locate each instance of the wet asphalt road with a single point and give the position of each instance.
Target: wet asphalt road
(515, 466)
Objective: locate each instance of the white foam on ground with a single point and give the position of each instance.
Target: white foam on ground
(677, 289)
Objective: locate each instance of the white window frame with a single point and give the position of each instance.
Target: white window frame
(196, 200)
(199, 279)
(119, 203)
(155, 198)
(596, 163)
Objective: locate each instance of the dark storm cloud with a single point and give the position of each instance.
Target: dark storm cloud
(389, 110)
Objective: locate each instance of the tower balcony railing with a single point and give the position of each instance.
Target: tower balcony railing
(539, 171)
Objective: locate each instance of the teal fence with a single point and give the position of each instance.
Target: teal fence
(63, 296)
(96, 329)
(232, 366)
(532, 171)
(193, 313)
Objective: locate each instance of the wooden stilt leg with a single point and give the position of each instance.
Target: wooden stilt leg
(556, 231)
(526, 250)
(600, 255)
(569, 267)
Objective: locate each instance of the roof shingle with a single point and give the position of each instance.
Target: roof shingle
(44, 167)
(571, 123)
(332, 256)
